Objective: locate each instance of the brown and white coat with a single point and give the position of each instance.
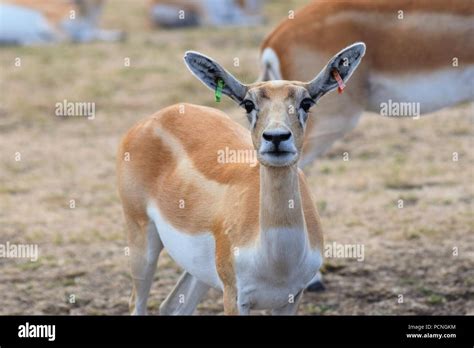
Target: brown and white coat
(251, 231)
(417, 52)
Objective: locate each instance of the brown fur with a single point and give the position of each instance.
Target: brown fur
(173, 160)
(153, 167)
(393, 45)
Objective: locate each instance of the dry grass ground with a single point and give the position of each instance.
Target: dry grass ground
(408, 251)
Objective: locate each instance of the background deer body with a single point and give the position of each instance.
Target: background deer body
(33, 22)
(418, 52)
(251, 231)
(205, 12)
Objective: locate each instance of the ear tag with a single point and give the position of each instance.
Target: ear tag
(218, 93)
(340, 82)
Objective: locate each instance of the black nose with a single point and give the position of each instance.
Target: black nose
(276, 136)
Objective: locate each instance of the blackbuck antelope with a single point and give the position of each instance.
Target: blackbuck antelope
(251, 231)
(417, 52)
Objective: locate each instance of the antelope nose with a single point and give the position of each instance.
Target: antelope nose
(276, 136)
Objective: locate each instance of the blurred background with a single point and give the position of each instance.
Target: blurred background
(61, 194)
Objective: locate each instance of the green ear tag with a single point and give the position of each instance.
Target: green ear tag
(218, 94)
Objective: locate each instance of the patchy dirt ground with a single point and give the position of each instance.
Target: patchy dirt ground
(408, 251)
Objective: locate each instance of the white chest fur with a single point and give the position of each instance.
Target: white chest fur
(272, 273)
(269, 274)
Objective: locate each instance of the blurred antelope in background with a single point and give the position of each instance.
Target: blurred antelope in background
(417, 52)
(251, 231)
(183, 13)
(32, 22)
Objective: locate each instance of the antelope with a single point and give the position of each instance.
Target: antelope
(418, 52)
(179, 13)
(252, 232)
(33, 22)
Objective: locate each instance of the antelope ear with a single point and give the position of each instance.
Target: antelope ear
(209, 73)
(345, 63)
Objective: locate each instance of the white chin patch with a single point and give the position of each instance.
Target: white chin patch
(280, 160)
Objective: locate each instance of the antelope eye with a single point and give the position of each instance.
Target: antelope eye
(306, 104)
(248, 105)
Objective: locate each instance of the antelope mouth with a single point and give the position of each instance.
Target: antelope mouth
(278, 153)
(278, 158)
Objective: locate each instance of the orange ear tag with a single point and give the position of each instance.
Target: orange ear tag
(340, 82)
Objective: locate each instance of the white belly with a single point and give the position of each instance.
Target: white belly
(195, 253)
(266, 277)
(433, 90)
